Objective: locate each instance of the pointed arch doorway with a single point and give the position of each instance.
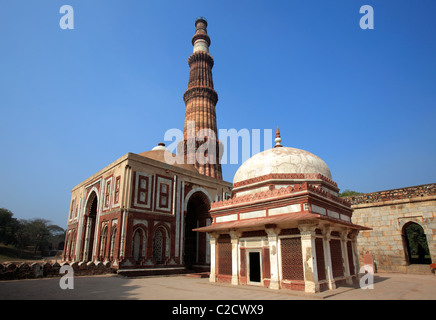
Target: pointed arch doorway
(415, 243)
(195, 253)
(90, 226)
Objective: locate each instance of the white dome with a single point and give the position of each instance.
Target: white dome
(160, 146)
(282, 160)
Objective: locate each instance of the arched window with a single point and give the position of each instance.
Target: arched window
(103, 241)
(416, 246)
(72, 245)
(67, 248)
(139, 245)
(112, 244)
(158, 246)
(161, 245)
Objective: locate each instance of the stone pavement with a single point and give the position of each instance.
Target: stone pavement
(387, 287)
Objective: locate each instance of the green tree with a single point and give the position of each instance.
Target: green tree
(8, 227)
(39, 233)
(22, 236)
(416, 237)
(348, 192)
(57, 234)
(42, 233)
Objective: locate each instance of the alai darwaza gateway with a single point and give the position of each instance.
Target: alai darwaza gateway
(284, 226)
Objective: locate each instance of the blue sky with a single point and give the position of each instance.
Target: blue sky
(73, 101)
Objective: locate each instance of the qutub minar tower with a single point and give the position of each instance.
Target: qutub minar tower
(200, 128)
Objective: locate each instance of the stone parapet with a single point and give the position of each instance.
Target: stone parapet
(394, 194)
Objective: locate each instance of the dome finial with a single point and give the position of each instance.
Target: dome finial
(160, 146)
(278, 139)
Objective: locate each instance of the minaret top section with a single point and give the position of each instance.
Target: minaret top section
(201, 40)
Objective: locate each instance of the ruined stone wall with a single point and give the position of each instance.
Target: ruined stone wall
(394, 194)
(387, 212)
(16, 271)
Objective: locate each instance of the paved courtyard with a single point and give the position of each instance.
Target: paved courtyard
(386, 286)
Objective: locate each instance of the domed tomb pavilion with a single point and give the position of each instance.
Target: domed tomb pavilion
(284, 226)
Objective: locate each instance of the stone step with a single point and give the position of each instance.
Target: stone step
(198, 275)
(144, 272)
(419, 269)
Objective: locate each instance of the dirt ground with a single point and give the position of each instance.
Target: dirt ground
(387, 286)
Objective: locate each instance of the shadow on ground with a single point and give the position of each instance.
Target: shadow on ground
(84, 288)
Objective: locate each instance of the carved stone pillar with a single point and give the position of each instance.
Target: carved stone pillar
(307, 233)
(273, 235)
(212, 240)
(328, 258)
(353, 238)
(234, 236)
(346, 265)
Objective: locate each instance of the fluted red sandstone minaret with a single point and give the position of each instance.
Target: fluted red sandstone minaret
(201, 145)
